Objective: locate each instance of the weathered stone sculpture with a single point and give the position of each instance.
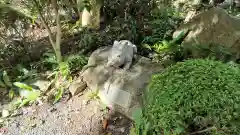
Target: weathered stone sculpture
(122, 54)
(118, 88)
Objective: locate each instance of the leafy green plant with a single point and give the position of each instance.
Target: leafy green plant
(90, 40)
(217, 52)
(58, 95)
(93, 94)
(167, 50)
(194, 97)
(141, 126)
(26, 92)
(5, 80)
(62, 80)
(64, 69)
(25, 74)
(162, 22)
(62, 74)
(48, 61)
(76, 62)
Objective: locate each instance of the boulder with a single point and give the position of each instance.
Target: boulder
(185, 6)
(215, 27)
(118, 88)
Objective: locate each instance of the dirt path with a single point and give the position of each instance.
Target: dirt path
(75, 117)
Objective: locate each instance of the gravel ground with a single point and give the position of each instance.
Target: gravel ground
(78, 116)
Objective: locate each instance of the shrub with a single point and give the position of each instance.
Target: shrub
(195, 97)
(217, 52)
(76, 62)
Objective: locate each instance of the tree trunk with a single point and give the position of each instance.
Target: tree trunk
(59, 33)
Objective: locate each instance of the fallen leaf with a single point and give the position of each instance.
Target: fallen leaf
(105, 124)
(6, 79)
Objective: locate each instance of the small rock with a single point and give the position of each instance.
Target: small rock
(22, 128)
(77, 87)
(34, 125)
(86, 102)
(189, 16)
(95, 109)
(121, 129)
(111, 127)
(39, 102)
(1, 121)
(42, 121)
(52, 109)
(5, 113)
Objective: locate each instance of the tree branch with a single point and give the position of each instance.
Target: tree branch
(45, 24)
(203, 131)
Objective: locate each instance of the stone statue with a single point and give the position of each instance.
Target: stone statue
(122, 54)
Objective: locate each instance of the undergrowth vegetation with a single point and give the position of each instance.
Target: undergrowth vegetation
(194, 97)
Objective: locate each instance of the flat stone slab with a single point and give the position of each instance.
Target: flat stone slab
(116, 96)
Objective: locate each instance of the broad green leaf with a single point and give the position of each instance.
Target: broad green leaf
(49, 54)
(165, 44)
(21, 68)
(64, 69)
(23, 86)
(146, 128)
(30, 95)
(24, 102)
(52, 74)
(16, 102)
(178, 37)
(179, 130)
(51, 60)
(132, 131)
(33, 95)
(58, 95)
(11, 94)
(6, 79)
(2, 84)
(147, 46)
(137, 115)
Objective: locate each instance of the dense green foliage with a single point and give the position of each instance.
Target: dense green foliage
(195, 96)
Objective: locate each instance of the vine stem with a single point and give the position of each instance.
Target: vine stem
(202, 131)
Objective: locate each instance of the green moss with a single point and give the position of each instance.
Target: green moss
(195, 95)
